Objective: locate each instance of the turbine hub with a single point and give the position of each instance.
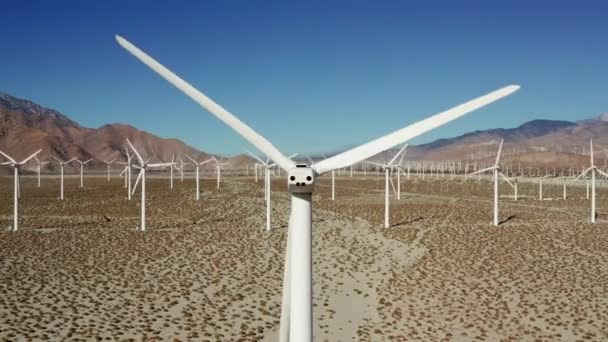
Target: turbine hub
(301, 179)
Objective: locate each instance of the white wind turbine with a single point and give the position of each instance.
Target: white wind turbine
(61, 166)
(218, 169)
(16, 166)
(400, 169)
(39, 167)
(143, 167)
(82, 164)
(198, 165)
(127, 172)
(387, 175)
(267, 185)
(296, 311)
(593, 169)
(109, 165)
(496, 172)
(181, 168)
(333, 181)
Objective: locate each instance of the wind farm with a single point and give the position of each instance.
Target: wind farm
(244, 199)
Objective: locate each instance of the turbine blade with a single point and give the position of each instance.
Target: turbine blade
(591, 151)
(481, 171)
(390, 178)
(160, 164)
(30, 157)
(233, 122)
(602, 173)
(402, 155)
(8, 157)
(187, 156)
(137, 181)
(206, 161)
(141, 160)
(498, 154)
(506, 179)
(376, 146)
(583, 173)
(397, 155)
(57, 159)
(256, 157)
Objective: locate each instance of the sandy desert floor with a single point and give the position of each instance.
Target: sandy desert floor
(207, 270)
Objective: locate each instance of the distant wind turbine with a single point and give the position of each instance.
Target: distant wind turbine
(16, 166)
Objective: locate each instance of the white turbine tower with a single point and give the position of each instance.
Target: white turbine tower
(593, 169)
(61, 166)
(387, 175)
(39, 167)
(82, 164)
(143, 167)
(496, 172)
(109, 165)
(296, 311)
(171, 171)
(16, 166)
(198, 165)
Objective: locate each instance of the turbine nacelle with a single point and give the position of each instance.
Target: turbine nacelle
(301, 179)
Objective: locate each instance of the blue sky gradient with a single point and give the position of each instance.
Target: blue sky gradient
(312, 77)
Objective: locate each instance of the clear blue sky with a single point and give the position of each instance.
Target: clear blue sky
(311, 77)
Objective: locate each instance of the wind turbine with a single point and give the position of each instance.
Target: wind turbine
(109, 163)
(39, 167)
(296, 311)
(267, 184)
(61, 165)
(16, 166)
(143, 166)
(82, 164)
(333, 181)
(218, 169)
(127, 172)
(181, 167)
(593, 169)
(198, 165)
(497, 172)
(400, 169)
(387, 170)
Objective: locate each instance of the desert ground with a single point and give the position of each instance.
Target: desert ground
(78, 270)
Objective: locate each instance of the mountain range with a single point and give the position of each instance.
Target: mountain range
(26, 126)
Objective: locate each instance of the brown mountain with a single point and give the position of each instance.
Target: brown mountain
(26, 126)
(538, 143)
